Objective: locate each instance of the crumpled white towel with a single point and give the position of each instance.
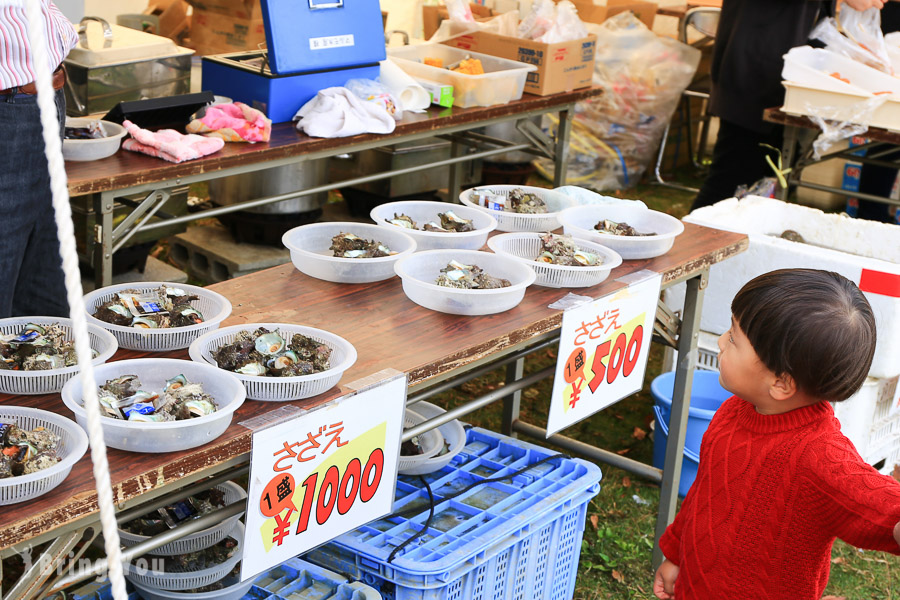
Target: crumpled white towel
(337, 112)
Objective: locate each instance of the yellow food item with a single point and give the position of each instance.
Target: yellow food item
(470, 66)
(434, 62)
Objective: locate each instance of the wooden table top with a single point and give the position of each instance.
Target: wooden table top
(776, 115)
(388, 331)
(126, 169)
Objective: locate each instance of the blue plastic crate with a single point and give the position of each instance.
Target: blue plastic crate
(512, 539)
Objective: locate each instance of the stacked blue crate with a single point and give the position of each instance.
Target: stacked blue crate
(503, 539)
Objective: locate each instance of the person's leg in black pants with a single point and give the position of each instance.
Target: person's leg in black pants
(738, 159)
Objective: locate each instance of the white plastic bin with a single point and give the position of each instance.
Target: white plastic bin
(502, 82)
(865, 252)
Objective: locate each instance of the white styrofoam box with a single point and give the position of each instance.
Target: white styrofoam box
(866, 252)
(802, 99)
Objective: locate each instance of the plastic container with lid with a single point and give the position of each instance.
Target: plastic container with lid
(503, 80)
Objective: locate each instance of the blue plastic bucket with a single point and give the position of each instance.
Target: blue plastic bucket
(706, 397)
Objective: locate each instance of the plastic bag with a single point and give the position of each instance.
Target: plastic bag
(840, 123)
(566, 27)
(871, 52)
(504, 24)
(374, 91)
(539, 21)
(459, 11)
(616, 135)
(765, 187)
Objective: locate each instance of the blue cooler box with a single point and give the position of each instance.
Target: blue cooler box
(312, 45)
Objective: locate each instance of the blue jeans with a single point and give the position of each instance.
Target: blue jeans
(31, 276)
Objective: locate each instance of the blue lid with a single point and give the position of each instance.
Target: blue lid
(316, 35)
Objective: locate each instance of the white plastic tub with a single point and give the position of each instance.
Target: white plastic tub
(310, 254)
(814, 67)
(452, 433)
(72, 446)
(214, 307)
(510, 221)
(201, 539)
(422, 211)
(525, 247)
(168, 436)
(149, 578)
(52, 380)
(86, 150)
(579, 222)
(280, 389)
(852, 247)
(419, 271)
(502, 82)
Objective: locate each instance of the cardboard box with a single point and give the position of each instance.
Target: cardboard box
(593, 13)
(561, 67)
(215, 33)
(237, 9)
(433, 15)
(174, 22)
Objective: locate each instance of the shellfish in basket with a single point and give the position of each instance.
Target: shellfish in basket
(25, 451)
(122, 398)
(169, 306)
(263, 352)
(348, 245)
(468, 277)
(562, 250)
(38, 348)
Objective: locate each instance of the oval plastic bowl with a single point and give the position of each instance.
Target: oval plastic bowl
(310, 254)
(51, 380)
(189, 580)
(526, 246)
(430, 442)
(85, 150)
(168, 436)
(452, 432)
(510, 221)
(419, 271)
(201, 539)
(423, 211)
(579, 222)
(280, 389)
(214, 307)
(73, 445)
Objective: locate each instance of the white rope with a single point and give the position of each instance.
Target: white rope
(66, 233)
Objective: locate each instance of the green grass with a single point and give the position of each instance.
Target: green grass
(618, 538)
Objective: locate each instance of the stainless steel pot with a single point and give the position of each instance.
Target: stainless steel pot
(507, 131)
(274, 182)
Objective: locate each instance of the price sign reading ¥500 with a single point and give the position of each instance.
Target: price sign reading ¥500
(603, 351)
(321, 474)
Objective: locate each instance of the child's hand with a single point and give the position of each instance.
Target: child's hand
(667, 573)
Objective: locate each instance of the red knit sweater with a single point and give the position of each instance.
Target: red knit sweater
(771, 495)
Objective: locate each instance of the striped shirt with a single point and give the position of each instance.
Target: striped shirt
(16, 66)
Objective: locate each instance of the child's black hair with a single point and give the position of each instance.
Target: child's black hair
(815, 326)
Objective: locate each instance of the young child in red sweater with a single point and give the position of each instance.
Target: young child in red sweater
(777, 481)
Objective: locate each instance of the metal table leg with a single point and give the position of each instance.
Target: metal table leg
(514, 372)
(455, 184)
(561, 158)
(788, 146)
(681, 402)
(47, 564)
(103, 238)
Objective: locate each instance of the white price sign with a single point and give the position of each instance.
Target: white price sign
(603, 349)
(322, 474)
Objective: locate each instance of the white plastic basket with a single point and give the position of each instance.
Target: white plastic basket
(236, 591)
(214, 307)
(510, 221)
(280, 389)
(423, 211)
(72, 446)
(169, 436)
(579, 222)
(149, 578)
(525, 247)
(201, 539)
(419, 271)
(453, 433)
(310, 254)
(430, 443)
(52, 380)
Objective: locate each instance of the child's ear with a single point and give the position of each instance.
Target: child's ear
(783, 387)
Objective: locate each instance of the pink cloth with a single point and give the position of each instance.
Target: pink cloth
(168, 144)
(233, 123)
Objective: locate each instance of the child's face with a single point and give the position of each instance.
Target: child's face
(741, 372)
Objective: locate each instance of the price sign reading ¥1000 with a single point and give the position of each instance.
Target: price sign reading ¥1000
(322, 474)
(603, 351)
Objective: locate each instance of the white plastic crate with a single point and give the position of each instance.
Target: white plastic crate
(885, 457)
(707, 354)
(858, 249)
